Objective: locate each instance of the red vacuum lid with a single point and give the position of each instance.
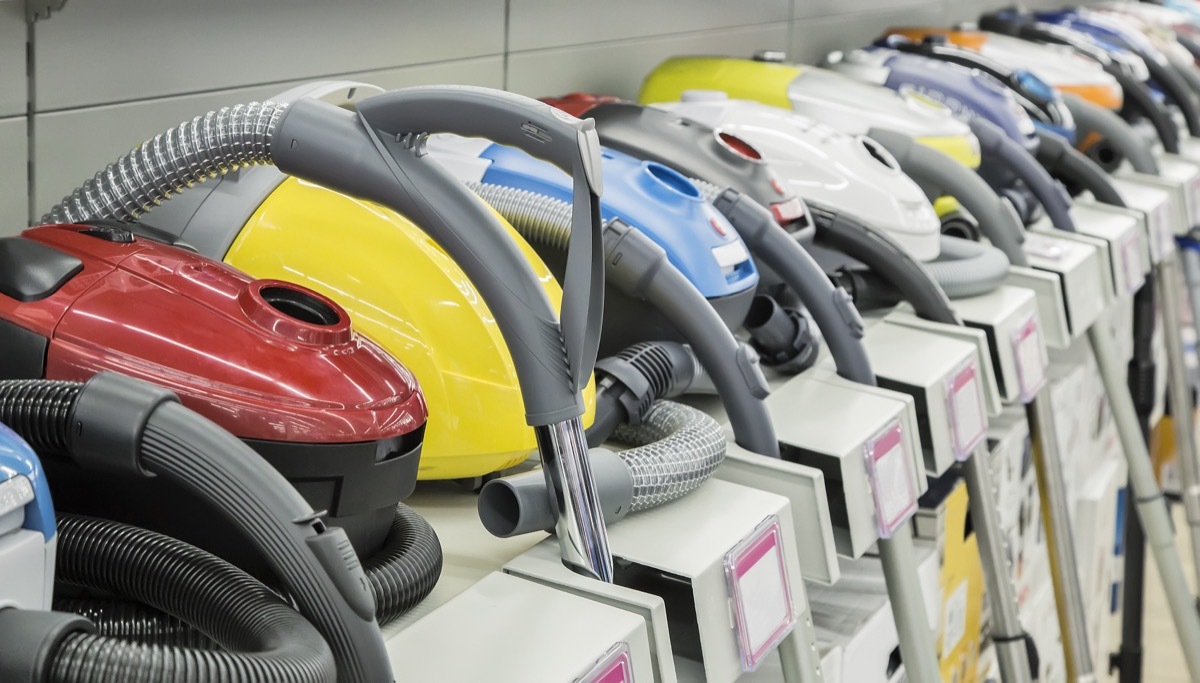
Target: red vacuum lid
(265, 359)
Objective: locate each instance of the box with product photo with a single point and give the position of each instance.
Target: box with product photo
(856, 616)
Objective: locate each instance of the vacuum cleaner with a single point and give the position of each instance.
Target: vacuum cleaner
(693, 136)
(276, 364)
(372, 261)
(28, 535)
(1058, 65)
(652, 198)
(1003, 231)
(376, 154)
(117, 426)
(1165, 274)
(1142, 98)
(806, 158)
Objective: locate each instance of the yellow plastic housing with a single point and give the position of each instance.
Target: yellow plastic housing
(765, 82)
(406, 294)
(742, 79)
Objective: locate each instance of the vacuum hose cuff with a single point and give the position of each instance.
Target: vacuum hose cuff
(674, 450)
(995, 143)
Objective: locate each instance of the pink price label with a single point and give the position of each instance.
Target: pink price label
(1131, 263)
(1162, 237)
(964, 396)
(892, 484)
(614, 667)
(1030, 355)
(760, 593)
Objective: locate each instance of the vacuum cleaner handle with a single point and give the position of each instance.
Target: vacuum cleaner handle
(547, 133)
(371, 155)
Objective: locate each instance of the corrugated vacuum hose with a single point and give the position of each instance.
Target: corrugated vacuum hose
(119, 424)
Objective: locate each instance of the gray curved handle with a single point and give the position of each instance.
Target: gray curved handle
(544, 132)
(364, 156)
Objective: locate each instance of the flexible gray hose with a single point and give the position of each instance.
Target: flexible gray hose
(965, 268)
(546, 220)
(675, 449)
(940, 174)
(1114, 130)
(998, 146)
(208, 146)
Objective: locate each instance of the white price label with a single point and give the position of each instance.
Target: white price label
(760, 593)
(1030, 354)
(1131, 263)
(967, 419)
(892, 485)
(613, 667)
(954, 618)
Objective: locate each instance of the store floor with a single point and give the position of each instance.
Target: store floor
(1163, 661)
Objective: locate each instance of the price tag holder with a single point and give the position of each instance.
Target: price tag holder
(1193, 201)
(614, 667)
(1030, 354)
(1131, 263)
(760, 593)
(964, 404)
(892, 485)
(1162, 237)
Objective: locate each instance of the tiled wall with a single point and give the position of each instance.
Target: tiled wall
(103, 76)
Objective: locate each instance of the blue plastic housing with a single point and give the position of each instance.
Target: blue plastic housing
(1108, 34)
(653, 198)
(967, 92)
(17, 459)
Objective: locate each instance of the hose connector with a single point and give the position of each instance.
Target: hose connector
(782, 336)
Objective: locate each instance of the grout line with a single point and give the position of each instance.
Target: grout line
(30, 97)
(715, 32)
(507, 39)
(245, 86)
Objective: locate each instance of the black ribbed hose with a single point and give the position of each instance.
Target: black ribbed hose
(633, 380)
(405, 570)
(264, 639)
(119, 424)
(402, 573)
(134, 622)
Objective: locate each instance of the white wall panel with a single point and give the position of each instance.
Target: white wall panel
(12, 58)
(535, 24)
(812, 39)
(617, 68)
(64, 159)
(122, 50)
(13, 175)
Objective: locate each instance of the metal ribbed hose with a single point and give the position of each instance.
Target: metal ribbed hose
(676, 449)
(267, 639)
(536, 217)
(209, 145)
